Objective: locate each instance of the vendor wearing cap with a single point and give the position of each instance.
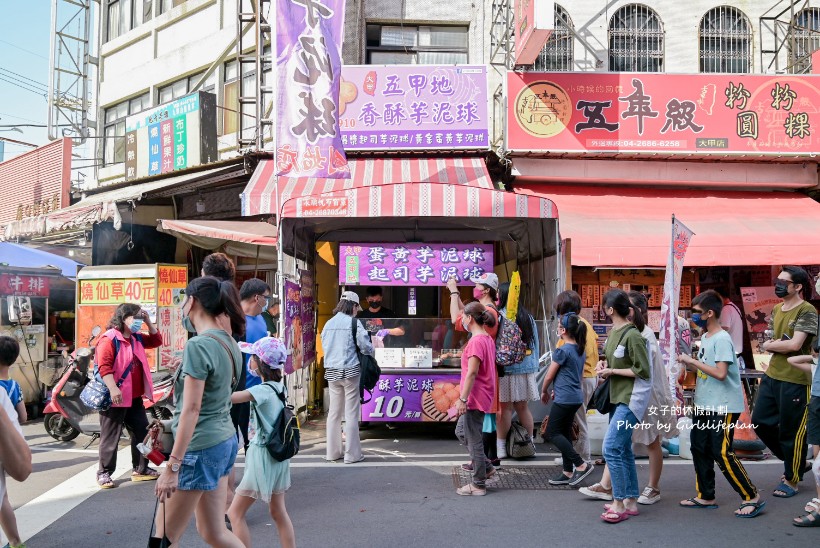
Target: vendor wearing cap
(374, 319)
(342, 374)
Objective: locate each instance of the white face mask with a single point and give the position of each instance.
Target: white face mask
(817, 285)
(465, 323)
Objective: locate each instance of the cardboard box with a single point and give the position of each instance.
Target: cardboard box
(418, 357)
(390, 357)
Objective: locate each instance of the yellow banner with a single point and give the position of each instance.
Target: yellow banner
(172, 276)
(139, 291)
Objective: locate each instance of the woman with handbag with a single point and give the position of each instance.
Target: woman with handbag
(265, 478)
(122, 365)
(518, 387)
(205, 446)
(564, 374)
(628, 368)
(342, 373)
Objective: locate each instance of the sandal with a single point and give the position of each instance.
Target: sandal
(596, 491)
(627, 511)
(599, 462)
(149, 475)
(614, 517)
(812, 519)
(105, 481)
(697, 504)
(787, 490)
(758, 507)
(813, 505)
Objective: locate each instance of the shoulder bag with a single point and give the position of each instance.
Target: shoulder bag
(235, 373)
(368, 367)
(600, 400)
(95, 394)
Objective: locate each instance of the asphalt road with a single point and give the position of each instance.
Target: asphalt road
(403, 495)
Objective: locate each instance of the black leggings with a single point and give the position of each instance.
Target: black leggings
(111, 423)
(559, 431)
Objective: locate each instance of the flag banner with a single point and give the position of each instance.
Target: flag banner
(681, 236)
(308, 71)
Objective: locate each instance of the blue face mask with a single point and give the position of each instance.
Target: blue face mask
(698, 320)
(136, 325)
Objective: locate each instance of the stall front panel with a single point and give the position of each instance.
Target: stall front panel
(158, 288)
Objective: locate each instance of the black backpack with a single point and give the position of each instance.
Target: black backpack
(368, 367)
(284, 440)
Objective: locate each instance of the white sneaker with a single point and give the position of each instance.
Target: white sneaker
(559, 460)
(650, 495)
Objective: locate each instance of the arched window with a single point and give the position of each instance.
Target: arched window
(806, 32)
(557, 54)
(725, 41)
(636, 40)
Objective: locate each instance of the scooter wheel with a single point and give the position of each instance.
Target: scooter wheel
(58, 429)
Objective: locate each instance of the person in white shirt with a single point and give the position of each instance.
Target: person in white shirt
(731, 321)
(15, 455)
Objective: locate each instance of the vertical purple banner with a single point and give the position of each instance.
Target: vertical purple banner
(308, 332)
(308, 70)
(293, 326)
(413, 264)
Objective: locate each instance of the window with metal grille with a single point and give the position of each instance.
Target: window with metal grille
(806, 39)
(411, 45)
(636, 40)
(558, 53)
(725, 41)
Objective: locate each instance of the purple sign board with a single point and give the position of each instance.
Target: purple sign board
(308, 330)
(413, 397)
(308, 66)
(412, 264)
(414, 107)
(293, 326)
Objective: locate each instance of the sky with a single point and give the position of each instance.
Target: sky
(25, 27)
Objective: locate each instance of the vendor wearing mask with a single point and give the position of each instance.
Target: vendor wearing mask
(375, 314)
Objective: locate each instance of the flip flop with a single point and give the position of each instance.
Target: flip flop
(696, 504)
(627, 511)
(805, 522)
(785, 488)
(619, 517)
(758, 507)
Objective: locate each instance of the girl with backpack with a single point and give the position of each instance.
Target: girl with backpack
(265, 478)
(565, 374)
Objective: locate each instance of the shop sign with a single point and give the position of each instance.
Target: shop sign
(40, 207)
(533, 25)
(171, 137)
(413, 264)
(308, 66)
(414, 107)
(141, 290)
(720, 114)
(308, 321)
(323, 207)
(292, 304)
(24, 286)
(413, 398)
(171, 276)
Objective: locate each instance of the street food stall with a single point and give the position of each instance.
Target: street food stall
(25, 314)
(409, 238)
(158, 288)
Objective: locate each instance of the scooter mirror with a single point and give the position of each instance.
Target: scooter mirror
(96, 331)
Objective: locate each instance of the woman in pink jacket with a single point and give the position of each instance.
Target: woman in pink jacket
(123, 366)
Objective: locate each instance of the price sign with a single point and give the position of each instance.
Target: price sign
(142, 290)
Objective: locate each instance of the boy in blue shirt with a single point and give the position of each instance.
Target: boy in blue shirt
(718, 405)
(9, 351)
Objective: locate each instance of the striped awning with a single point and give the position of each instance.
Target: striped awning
(259, 196)
(419, 200)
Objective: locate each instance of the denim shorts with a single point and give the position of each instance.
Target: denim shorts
(201, 470)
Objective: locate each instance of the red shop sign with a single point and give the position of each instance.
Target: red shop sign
(24, 286)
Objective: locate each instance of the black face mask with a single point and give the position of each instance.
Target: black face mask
(375, 304)
(781, 289)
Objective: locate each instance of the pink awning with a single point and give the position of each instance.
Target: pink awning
(259, 196)
(631, 227)
(256, 233)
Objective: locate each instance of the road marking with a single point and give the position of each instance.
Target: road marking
(37, 514)
(46, 449)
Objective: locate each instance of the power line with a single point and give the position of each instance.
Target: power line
(16, 84)
(19, 117)
(24, 77)
(24, 49)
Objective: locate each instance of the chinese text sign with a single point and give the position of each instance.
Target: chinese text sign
(414, 107)
(412, 264)
(671, 113)
(308, 66)
(413, 397)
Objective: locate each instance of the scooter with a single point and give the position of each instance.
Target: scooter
(66, 417)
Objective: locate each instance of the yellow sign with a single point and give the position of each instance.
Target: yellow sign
(141, 291)
(172, 276)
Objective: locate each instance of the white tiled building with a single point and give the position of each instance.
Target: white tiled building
(153, 51)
